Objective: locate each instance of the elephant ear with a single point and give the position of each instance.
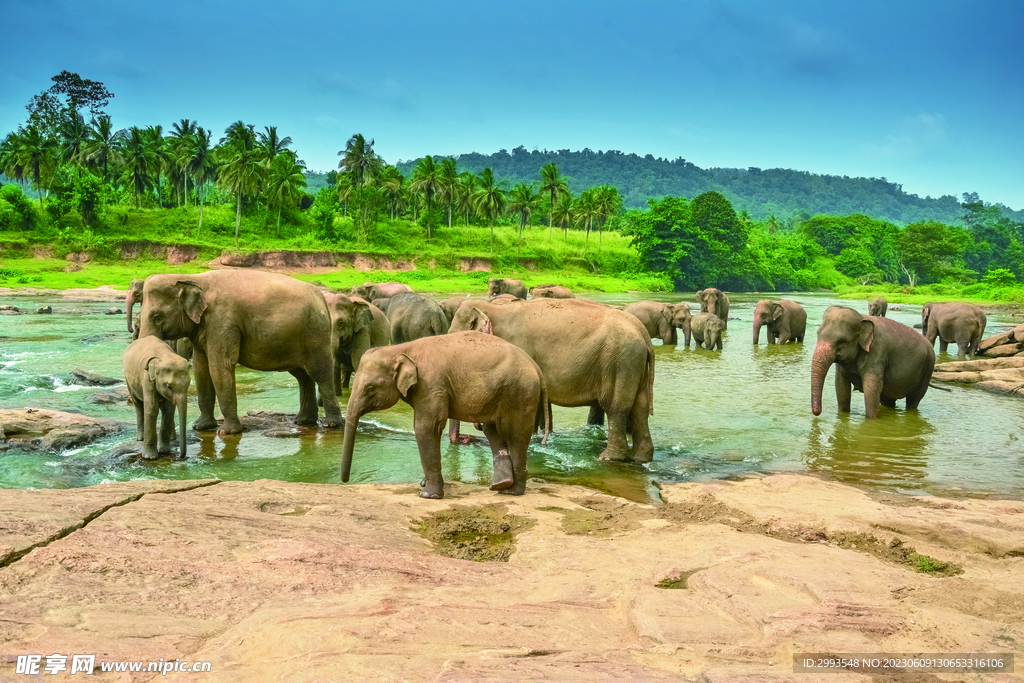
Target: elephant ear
(406, 374)
(867, 334)
(152, 368)
(479, 321)
(364, 316)
(776, 311)
(192, 300)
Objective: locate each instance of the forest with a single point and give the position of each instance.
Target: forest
(95, 183)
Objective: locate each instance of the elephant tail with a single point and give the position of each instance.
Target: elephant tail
(545, 409)
(939, 388)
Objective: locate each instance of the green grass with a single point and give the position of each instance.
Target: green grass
(981, 294)
(49, 273)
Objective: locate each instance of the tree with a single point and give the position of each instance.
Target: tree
(38, 154)
(162, 158)
(554, 183)
(524, 201)
(201, 165)
(103, 145)
(272, 144)
(240, 167)
(584, 211)
(73, 135)
(466, 189)
(285, 182)
(607, 204)
(932, 251)
(448, 189)
(180, 137)
(80, 93)
(360, 163)
(10, 159)
(561, 214)
(140, 161)
(489, 199)
(392, 183)
(426, 179)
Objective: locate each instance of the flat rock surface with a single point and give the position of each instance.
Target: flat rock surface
(51, 429)
(271, 580)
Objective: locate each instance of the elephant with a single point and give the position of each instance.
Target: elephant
(786, 321)
(382, 290)
(496, 286)
(879, 306)
(961, 323)
(263, 321)
(883, 358)
(551, 292)
(717, 302)
(413, 316)
(158, 382)
(662, 320)
(181, 346)
(707, 330)
(463, 376)
(356, 326)
(590, 356)
(452, 303)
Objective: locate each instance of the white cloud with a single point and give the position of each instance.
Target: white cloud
(917, 135)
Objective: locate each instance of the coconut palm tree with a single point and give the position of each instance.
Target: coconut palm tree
(73, 134)
(466, 188)
(200, 164)
(524, 201)
(103, 145)
(360, 163)
(489, 200)
(343, 187)
(179, 143)
(392, 183)
(162, 158)
(585, 210)
(562, 214)
(38, 154)
(608, 203)
(10, 161)
(553, 182)
(271, 143)
(240, 166)
(140, 160)
(448, 190)
(285, 182)
(426, 179)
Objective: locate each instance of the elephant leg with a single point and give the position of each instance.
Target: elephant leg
(222, 373)
(337, 379)
(140, 418)
(843, 391)
(686, 336)
(205, 392)
(519, 443)
(617, 448)
(914, 397)
(596, 416)
(152, 408)
(962, 347)
(672, 340)
(346, 378)
(166, 427)
(872, 395)
(503, 477)
(307, 397)
(784, 334)
(322, 376)
(771, 337)
(943, 345)
(643, 445)
(888, 402)
(455, 433)
(428, 439)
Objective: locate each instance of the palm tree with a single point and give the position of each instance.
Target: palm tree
(161, 157)
(285, 182)
(555, 183)
(359, 162)
(38, 154)
(607, 204)
(466, 189)
(181, 132)
(239, 135)
(489, 200)
(392, 183)
(240, 168)
(200, 164)
(103, 145)
(140, 160)
(562, 214)
(73, 135)
(343, 187)
(10, 161)
(449, 185)
(426, 179)
(272, 144)
(524, 201)
(585, 210)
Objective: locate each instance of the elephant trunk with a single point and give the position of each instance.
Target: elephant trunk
(757, 332)
(824, 356)
(129, 304)
(351, 422)
(182, 424)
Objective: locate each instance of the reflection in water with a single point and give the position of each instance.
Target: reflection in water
(887, 451)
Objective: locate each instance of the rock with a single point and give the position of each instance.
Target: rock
(52, 429)
(761, 568)
(979, 364)
(92, 379)
(995, 340)
(1004, 350)
(119, 395)
(10, 308)
(72, 268)
(114, 310)
(1003, 387)
(44, 310)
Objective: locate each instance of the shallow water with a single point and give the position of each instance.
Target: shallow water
(717, 414)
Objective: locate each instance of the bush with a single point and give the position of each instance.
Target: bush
(1000, 277)
(16, 210)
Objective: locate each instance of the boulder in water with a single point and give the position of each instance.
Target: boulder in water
(33, 428)
(92, 379)
(114, 310)
(44, 310)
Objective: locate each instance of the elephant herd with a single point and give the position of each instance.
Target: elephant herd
(499, 361)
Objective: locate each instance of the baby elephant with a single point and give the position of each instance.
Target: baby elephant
(467, 376)
(157, 380)
(879, 306)
(706, 329)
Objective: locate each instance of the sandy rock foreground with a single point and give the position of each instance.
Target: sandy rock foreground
(299, 582)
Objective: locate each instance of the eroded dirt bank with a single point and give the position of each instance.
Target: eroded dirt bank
(284, 581)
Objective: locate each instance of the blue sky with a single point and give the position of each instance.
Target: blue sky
(927, 94)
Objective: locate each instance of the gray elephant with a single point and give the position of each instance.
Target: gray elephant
(715, 301)
(356, 326)
(182, 346)
(464, 376)
(590, 355)
(262, 321)
(413, 316)
(707, 331)
(879, 306)
(451, 304)
(961, 323)
(551, 292)
(786, 321)
(662, 320)
(371, 291)
(158, 382)
(883, 358)
(496, 286)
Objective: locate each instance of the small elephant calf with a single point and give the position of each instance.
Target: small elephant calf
(706, 329)
(467, 376)
(158, 381)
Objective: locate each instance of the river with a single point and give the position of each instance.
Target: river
(716, 414)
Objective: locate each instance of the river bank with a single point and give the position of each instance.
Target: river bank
(723, 581)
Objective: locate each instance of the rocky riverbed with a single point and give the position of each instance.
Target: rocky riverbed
(270, 580)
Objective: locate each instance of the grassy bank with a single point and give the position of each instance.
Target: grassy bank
(980, 294)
